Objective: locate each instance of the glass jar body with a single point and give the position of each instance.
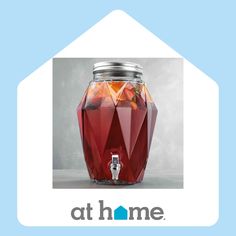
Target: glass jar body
(116, 119)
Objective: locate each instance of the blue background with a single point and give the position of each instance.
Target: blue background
(31, 32)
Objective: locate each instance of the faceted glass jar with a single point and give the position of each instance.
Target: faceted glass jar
(116, 118)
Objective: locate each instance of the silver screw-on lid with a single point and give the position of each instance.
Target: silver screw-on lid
(108, 66)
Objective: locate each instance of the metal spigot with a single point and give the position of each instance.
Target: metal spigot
(115, 167)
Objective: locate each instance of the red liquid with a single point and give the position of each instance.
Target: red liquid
(116, 118)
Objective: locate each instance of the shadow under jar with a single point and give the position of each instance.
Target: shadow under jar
(116, 118)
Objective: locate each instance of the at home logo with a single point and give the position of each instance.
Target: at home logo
(120, 213)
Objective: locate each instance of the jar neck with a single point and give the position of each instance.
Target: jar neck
(118, 76)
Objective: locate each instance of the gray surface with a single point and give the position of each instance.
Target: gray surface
(164, 78)
(79, 179)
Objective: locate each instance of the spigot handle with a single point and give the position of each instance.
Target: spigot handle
(115, 167)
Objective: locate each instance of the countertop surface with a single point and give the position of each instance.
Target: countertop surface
(74, 179)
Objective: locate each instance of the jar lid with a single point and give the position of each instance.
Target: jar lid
(108, 66)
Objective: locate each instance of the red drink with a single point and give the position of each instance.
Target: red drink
(116, 118)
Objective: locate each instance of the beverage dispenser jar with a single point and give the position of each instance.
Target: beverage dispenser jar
(116, 119)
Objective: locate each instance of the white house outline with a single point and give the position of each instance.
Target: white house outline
(117, 35)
